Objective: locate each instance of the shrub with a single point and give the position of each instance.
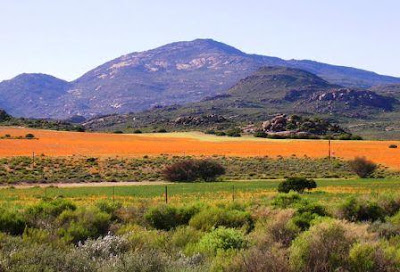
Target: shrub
(356, 210)
(369, 257)
(297, 184)
(209, 170)
(362, 167)
(12, 222)
(325, 246)
(272, 259)
(167, 217)
(118, 132)
(29, 136)
(137, 131)
(286, 200)
(392, 146)
(235, 132)
(260, 134)
(192, 170)
(306, 213)
(143, 261)
(83, 223)
(162, 130)
(211, 218)
(220, 133)
(222, 239)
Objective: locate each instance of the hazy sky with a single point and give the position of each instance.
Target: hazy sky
(66, 38)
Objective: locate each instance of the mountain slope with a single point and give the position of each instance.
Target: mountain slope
(176, 73)
(31, 95)
(268, 91)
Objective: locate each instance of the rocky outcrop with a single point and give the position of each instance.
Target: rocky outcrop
(283, 125)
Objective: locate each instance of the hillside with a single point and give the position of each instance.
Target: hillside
(267, 92)
(176, 73)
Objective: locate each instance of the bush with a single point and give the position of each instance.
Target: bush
(235, 132)
(286, 200)
(392, 146)
(118, 132)
(137, 131)
(369, 257)
(220, 133)
(29, 136)
(162, 130)
(192, 170)
(12, 222)
(260, 134)
(222, 239)
(325, 246)
(362, 167)
(296, 184)
(211, 218)
(356, 210)
(306, 213)
(83, 223)
(167, 217)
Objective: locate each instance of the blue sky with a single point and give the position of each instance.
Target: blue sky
(66, 38)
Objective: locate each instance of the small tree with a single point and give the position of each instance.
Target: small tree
(363, 167)
(192, 170)
(297, 184)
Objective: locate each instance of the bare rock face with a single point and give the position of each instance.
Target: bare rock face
(277, 124)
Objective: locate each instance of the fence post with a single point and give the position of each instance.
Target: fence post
(33, 160)
(113, 195)
(233, 193)
(166, 194)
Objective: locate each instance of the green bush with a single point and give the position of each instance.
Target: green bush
(83, 223)
(286, 200)
(306, 213)
(297, 184)
(12, 222)
(324, 247)
(356, 210)
(363, 167)
(222, 239)
(215, 217)
(167, 217)
(371, 257)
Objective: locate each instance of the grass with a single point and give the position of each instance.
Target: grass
(184, 193)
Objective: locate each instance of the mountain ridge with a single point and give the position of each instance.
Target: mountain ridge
(176, 73)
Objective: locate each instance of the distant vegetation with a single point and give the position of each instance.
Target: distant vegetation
(8, 120)
(87, 169)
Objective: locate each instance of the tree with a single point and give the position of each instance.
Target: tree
(363, 167)
(297, 184)
(192, 170)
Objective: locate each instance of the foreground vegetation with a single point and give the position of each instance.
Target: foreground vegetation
(343, 225)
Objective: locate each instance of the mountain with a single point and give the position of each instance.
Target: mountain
(265, 93)
(31, 95)
(176, 73)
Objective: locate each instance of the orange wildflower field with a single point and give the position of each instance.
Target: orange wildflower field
(58, 143)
